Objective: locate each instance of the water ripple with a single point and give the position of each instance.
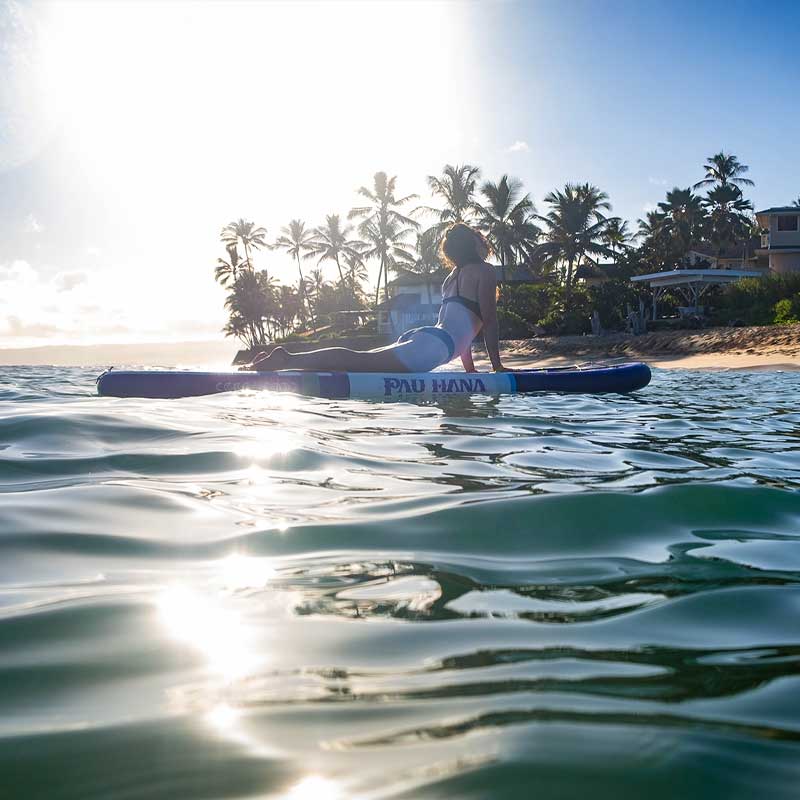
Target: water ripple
(245, 595)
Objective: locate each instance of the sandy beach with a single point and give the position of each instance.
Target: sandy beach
(774, 347)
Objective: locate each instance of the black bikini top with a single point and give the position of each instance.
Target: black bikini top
(470, 305)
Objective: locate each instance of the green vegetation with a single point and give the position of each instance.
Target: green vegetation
(760, 301)
(557, 250)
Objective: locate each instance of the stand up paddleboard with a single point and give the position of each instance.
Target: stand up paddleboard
(620, 378)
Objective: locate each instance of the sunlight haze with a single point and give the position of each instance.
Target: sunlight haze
(132, 132)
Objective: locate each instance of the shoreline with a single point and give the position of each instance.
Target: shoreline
(718, 362)
(771, 347)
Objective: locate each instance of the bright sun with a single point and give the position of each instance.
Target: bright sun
(280, 107)
(159, 122)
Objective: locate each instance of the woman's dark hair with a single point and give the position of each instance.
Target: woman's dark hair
(463, 245)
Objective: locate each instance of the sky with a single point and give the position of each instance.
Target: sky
(131, 132)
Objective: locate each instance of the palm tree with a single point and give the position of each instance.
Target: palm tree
(427, 262)
(506, 217)
(575, 228)
(355, 275)
(249, 303)
(655, 244)
(730, 221)
(332, 244)
(287, 308)
(617, 236)
(227, 271)
(796, 203)
(248, 234)
(724, 170)
(237, 326)
(299, 241)
(456, 188)
(683, 218)
(384, 227)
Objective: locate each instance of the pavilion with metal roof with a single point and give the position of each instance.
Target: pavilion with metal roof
(691, 284)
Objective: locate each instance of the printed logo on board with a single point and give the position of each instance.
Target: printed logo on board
(395, 386)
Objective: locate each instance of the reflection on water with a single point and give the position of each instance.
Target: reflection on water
(268, 596)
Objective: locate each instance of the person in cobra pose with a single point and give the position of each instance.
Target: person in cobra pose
(469, 306)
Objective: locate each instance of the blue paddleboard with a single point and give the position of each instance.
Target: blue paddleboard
(619, 378)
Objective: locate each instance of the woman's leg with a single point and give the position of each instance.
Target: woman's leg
(337, 359)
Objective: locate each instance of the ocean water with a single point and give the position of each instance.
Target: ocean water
(266, 596)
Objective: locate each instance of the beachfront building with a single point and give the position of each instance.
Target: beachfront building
(777, 250)
(591, 274)
(740, 257)
(780, 238)
(691, 284)
(414, 300)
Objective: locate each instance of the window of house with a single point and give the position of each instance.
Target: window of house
(787, 223)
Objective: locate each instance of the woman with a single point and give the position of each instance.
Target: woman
(469, 306)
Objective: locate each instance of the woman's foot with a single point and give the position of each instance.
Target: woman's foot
(251, 364)
(277, 359)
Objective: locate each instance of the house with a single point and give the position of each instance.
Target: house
(516, 274)
(591, 274)
(742, 257)
(415, 300)
(780, 238)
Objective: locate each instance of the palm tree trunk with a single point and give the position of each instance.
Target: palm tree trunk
(377, 299)
(568, 286)
(342, 283)
(304, 295)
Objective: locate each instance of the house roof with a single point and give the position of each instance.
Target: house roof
(406, 303)
(513, 273)
(710, 251)
(780, 210)
(591, 270)
(517, 273)
(407, 278)
(679, 277)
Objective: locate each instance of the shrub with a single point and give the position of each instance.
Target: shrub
(512, 325)
(787, 310)
(575, 320)
(754, 300)
(530, 303)
(611, 299)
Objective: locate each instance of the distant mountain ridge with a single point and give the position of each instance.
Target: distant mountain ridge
(164, 354)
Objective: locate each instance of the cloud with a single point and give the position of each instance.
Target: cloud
(39, 307)
(648, 207)
(32, 225)
(519, 147)
(18, 273)
(16, 327)
(44, 305)
(657, 181)
(66, 281)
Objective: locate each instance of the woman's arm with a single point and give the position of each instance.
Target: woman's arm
(466, 360)
(487, 299)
